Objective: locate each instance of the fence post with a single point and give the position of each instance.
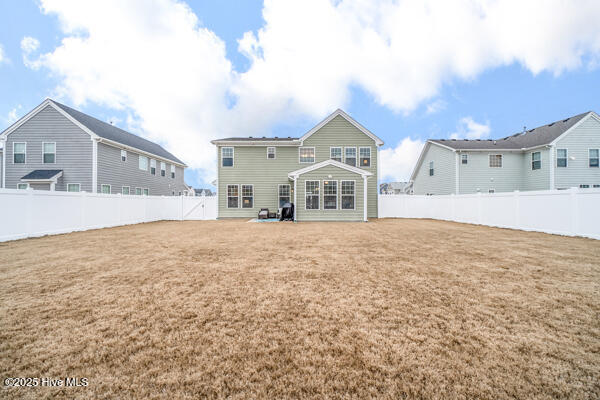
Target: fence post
(574, 209)
(517, 201)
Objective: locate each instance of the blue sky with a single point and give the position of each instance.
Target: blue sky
(282, 82)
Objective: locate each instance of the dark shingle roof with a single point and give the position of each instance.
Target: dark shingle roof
(110, 132)
(534, 137)
(270, 139)
(42, 174)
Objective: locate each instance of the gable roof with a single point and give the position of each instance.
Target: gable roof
(297, 173)
(340, 112)
(99, 129)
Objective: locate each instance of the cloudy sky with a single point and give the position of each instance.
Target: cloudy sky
(183, 73)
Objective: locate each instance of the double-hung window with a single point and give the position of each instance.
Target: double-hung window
(431, 170)
(153, 167)
(284, 195)
(19, 151)
(143, 163)
(123, 155)
(330, 195)
(335, 153)
(105, 189)
(348, 195)
(22, 186)
(350, 156)
(495, 161)
(365, 156)
(306, 154)
(125, 190)
(464, 158)
(271, 152)
(49, 150)
(247, 196)
(146, 192)
(163, 169)
(172, 171)
(312, 195)
(227, 156)
(536, 160)
(561, 158)
(594, 158)
(233, 196)
(138, 191)
(73, 187)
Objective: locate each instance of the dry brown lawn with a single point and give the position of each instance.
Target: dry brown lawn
(390, 309)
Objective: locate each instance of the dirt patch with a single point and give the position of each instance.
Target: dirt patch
(391, 308)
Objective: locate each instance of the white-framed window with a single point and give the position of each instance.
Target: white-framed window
(284, 195)
(172, 171)
(335, 153)
(464, 158)
(364, 154)
(348, 195)
(105, 189)
(179, 193)
(330, 197)
(163, 169)
(306, 155)
(138, 191)
(19, 152)
(73, 187)
(596, 186)
(584, 186)
(22, 186)
(146, 191)
(562, 156)
(350, 156)
(123, 155)
(227, 156)
(431, 169)
(271, 153)
(536, 160)
(233, 196)
(594, 158)
(153, 167)
(492, 191)
(143, 163)
(312, 195)
(125, 190)
(495, 161)
(49, 152)
(247, 196)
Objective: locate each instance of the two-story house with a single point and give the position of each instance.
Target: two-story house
(55, 147)
(559, 155)
(329, 174)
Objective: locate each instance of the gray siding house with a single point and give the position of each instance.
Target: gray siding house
(330, 173)
(559, 155)
(55, 147)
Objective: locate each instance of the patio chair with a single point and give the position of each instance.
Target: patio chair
(263, 213)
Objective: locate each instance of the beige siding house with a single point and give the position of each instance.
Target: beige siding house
(329, 174)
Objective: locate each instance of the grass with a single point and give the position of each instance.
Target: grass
(228, 309)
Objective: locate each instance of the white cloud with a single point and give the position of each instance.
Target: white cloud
(12, 116)
(467, 128)
(2, 55)
(435, 106)
(29, 45)
(397, 163)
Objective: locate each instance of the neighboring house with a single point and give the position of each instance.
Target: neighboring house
(395, 188)
(559, 155)
(203, 192)
(330, 173)
(55, 147)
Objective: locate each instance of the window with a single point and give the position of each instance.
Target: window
(431, 170)
(271, 152)
(596, 186)
(330, 195)
(233, 196)
(584, 186)
(19, 150)
(138, 191)
(73, 187)
(49, 153)
(105, 189)
(153, 167)
(495, 160)
(594, 155)
(492, 191)
(536, 160)
(143, 163)
(365, 156)
(348, 195)
(123, 155)
(125, 190)
(172, 171)
(350, 156)
(247, 196)
(335, 153)
(179, 193)
(312, 195)
(22, 186)
(284, 195)
(307, 154)
(464, 158)
(227, 156)
(561, 157)
(146, 192)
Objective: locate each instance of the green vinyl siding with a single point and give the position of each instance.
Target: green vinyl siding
(443, 179)
(538, 179)
(478, 176)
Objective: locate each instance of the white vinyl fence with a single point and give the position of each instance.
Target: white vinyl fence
(573, 212)
(29, 213)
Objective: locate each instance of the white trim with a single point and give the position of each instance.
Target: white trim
(147, 163)
(227, 195)
(232, 157)
(21, 183)
(355, 156)
(326, 163)
(336, 195)
(348, 118)
(359, 157)
(531, 162)
(314, 155)
(354, 195)
(501, 159)
(128, 190)
(94, 165)
(44, 153)
(109, 188)
(590, 114)
(365, 206)
(242, 195)
(551, 166)
(163, 169)
(431, 168)
(3, 182)
(78, 187)
(256, 143)
(144, 190)
(274, 152)
(588, 163)
(318, 195)
(141, 191)
(173, 171)
(341, 152)
(216, 182)
(566, 158)
(25, 153)
(295, 198)
(123, 153)
(152, 165)
(458, 163)
(279, 190)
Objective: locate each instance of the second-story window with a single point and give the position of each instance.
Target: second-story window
(306, 154)
(464, 158)
(163, 169)
(495, 160)
(153, 167)
(594, 158)
(49, 156)
(123, 155)
(271, 152)
(365, 156)
(335, 153)
(536, 160)
(173, 171)
(561, 158)
(350, 156)
(143, 163)
(227, 156)
(19, 151)
(431, 170)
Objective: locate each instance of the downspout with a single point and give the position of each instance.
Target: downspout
(457, 173)
(3, 163)
(94, 165)
(295, 197)
(551, 166)
(217, 183)
(365, 198)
